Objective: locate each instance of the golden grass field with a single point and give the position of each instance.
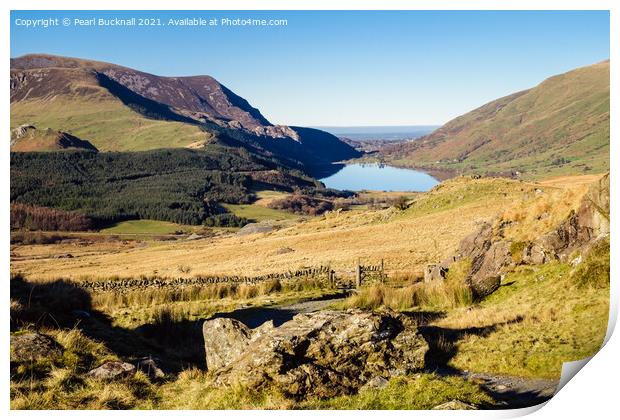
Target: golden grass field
(540, 317)
(428, 231)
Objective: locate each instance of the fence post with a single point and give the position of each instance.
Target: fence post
(358, 274)
(382, 272)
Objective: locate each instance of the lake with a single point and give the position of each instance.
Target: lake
(359, 176)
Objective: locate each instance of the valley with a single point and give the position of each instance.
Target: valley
(173, 249)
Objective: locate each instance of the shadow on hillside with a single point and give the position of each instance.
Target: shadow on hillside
(423, 318)
(443, 342)
(443, 346)
(254, 317)
(60, 304)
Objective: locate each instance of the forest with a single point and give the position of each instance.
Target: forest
(178, 185)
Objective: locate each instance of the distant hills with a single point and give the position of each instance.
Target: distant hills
(558, 127)
(120, 109)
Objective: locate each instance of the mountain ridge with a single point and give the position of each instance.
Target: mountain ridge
(78, 95)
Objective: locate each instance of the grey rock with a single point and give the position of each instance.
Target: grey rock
(322, 354)
(438, 271)
(193, 237)
(489, 260)
(253, 228)
(454, 405)
(377, 382)
(225, 340)
(33, 346)
(112, 370)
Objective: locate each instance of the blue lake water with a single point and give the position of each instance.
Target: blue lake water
(356, 177)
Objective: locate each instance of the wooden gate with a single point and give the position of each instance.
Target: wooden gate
(365, 273)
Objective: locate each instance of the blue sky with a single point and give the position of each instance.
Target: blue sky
(342, 68)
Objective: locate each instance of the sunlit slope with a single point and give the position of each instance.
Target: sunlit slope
(75, 103)
(558, 127)
(428, 231)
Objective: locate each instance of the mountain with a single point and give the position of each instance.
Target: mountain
(121, 109)
(559, 127)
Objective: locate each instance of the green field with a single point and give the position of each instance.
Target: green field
(138, 227)
(258, 213)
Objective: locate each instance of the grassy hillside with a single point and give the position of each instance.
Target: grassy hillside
(138, 227)
(558, 127)
(105, 122)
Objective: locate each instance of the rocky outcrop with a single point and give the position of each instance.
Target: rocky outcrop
(489, 258)
(27, 137)
(491, 255)
(33, 346)
(322, 354)
(253, 228)
(583, 227)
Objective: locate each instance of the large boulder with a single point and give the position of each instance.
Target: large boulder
(33, 346)
(321, 354)
(489, 259)
(488, 267)
(225, 340)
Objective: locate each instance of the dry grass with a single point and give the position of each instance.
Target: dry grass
(60, 383)
(538, 319)
(429, 231)
(448, 294)
(132, 308)
(541, 212)
(193, 390)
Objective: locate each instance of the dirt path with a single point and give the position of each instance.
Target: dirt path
(514, 392)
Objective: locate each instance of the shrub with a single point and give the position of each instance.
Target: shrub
(516, 251)
(302, 204)
(401, 202)
(225, 220)
(35, 238)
